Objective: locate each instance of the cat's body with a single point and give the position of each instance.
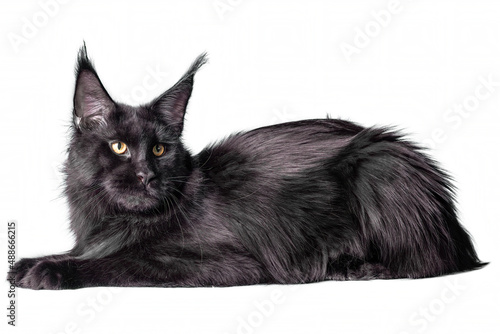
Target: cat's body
(291, 203)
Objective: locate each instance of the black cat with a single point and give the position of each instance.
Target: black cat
(297, 202)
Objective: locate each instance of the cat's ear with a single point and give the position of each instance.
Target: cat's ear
(91, 102)
(172, 104)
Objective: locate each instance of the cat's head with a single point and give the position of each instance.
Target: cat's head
(129, 158)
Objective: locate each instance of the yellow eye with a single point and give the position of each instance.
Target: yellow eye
(119, 147)
(159, 150)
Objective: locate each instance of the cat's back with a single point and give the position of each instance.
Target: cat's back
(276, 151)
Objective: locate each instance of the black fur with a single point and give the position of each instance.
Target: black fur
(292, 203)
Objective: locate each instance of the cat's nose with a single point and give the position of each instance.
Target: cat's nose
(145, 177)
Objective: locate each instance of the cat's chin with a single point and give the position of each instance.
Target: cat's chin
(133, 199)
(137, 203)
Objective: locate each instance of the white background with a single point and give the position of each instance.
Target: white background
(270, 62)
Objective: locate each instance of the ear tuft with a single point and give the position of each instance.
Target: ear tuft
(83, 61)
(91, 101)
(172, 104)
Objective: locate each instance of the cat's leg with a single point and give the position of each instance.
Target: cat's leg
(369, 271)
(53, 273)
(347, 267)
(23, 266)
(365, 271)
(127, 270)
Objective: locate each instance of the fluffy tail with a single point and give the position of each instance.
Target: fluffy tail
(404, 205)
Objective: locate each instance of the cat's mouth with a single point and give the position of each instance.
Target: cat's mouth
(138, 203)
(140, 198)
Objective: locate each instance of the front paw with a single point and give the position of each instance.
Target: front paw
(20, 269)
(49, 275)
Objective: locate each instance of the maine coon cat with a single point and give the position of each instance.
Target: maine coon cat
(297, 202)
